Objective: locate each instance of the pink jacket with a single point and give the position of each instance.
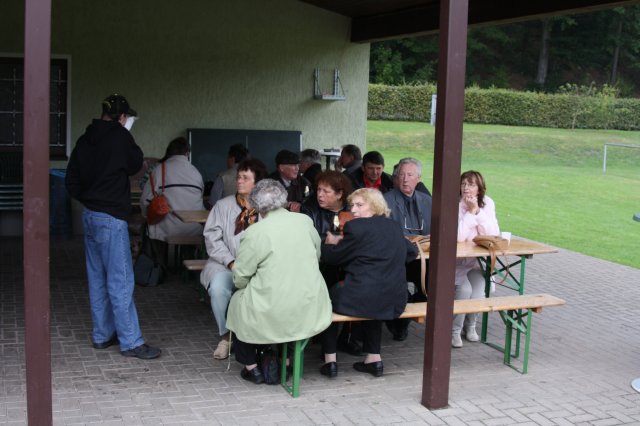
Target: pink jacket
(470, 225)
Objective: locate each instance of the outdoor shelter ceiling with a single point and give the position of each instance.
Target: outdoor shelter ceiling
(383, 19)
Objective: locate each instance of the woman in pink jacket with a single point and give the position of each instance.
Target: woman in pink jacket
(476, 216)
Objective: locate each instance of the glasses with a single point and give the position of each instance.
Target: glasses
(468, 185)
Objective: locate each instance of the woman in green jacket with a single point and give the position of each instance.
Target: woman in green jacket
(281, 294)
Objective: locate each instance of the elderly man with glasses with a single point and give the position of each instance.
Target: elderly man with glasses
(412, 210)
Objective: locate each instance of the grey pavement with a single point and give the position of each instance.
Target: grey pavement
(583, 358)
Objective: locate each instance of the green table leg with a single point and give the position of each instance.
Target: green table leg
(516, 284)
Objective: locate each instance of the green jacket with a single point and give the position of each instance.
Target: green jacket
(281, 295)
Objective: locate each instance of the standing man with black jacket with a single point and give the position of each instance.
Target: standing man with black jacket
(98, 176)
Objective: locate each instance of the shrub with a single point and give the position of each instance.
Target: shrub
(584, 107)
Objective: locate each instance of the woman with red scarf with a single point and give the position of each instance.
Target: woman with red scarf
(228, 219)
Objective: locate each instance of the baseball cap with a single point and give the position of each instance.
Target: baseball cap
(287, 157)
(116, 105)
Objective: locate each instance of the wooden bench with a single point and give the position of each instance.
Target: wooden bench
(195, 265)
(177, 242)
(515, 312)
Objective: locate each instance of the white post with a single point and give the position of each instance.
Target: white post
(604, 161)
(434, 101)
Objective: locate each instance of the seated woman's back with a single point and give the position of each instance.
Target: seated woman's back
(282, 296)
(183, 187)
(372, 253)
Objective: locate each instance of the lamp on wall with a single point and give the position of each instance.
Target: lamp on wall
(338, 92)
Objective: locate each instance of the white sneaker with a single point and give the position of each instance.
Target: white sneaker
(222, 351)
(456, 340)
(471, 335)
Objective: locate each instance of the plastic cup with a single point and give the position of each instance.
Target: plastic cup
(506, 236)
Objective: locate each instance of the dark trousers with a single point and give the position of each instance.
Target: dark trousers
(371, 337)
(246, 353)
(351, 331)
(414, 274)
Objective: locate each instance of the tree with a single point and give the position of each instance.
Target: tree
(543, 58)
(601, 47)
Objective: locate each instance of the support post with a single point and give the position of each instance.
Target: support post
(37, 63)
(446, 189)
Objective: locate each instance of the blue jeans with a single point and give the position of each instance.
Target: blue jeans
(110, 275)
(220, 290)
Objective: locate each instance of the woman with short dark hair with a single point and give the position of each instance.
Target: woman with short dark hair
(333, 188)
(324, 209)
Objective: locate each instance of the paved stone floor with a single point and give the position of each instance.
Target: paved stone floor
(583, 357)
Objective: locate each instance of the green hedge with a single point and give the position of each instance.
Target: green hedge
(510, 107)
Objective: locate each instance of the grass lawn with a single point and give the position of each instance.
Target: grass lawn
(548, 184)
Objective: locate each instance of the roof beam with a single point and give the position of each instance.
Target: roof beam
(423, 20)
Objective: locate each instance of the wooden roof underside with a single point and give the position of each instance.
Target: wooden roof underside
(384, 19)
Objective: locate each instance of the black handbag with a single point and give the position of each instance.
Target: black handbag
(269, 364)
(147, 271)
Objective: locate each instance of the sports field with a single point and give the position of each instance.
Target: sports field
(548, 184)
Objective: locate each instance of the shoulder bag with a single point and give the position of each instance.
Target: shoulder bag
(159, 206)
(423, 242)
(494, 243)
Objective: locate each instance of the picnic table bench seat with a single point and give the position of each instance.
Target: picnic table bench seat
(176, 243)
(515, 312)
(194, 264)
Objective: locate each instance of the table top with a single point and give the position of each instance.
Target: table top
(331, 153)
(517, 247)
(192, 216)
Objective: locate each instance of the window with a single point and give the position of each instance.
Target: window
(12, 106)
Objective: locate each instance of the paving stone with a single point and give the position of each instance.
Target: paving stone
(582, 360)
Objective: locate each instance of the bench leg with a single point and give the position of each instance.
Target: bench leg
(177, 258)
(297, 366)
(514, 319)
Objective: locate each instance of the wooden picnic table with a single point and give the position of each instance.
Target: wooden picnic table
(511, 270)
(192, 216)
(517, 247)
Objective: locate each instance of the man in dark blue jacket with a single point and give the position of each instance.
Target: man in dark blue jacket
(98, 176)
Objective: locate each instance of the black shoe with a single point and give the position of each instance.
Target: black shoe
(143, 352)
(401, 333)
(254, 376)
(349, 346)
(104, 345)
(330, 369)
(374, 368)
